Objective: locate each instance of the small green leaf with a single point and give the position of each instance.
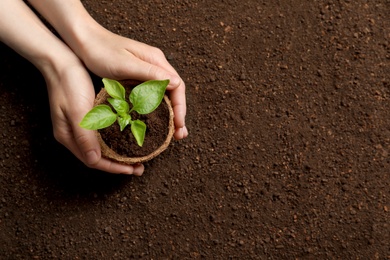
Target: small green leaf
(98, 117)
(120, 106)
(138, 128)
(114, 88)
(124, 121)
(147, 96)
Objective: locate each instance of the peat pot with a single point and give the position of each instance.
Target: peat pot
(121, 146)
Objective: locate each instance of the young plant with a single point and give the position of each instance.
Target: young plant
(145, 98)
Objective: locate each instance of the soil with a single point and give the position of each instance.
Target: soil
(124, 143)
(288, 152)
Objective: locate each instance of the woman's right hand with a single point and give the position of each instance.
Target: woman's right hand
(113, 56)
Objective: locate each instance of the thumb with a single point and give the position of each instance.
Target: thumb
(87, 144)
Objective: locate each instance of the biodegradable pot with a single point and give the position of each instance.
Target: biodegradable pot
(109, 153)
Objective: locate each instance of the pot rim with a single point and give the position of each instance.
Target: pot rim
(107, 152)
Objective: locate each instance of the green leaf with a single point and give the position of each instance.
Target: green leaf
(124, 121)
(114, 88)
(138, 128)
(147, 96)
(98, 117)
(120, 106)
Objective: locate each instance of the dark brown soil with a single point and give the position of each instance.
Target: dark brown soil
(288, 153)
(124, 143)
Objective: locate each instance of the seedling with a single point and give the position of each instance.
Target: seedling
(144, 98)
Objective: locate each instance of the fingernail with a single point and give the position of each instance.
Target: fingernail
(138, 169)
(175, 81)
(129, 170)
(91, 157)
(180, 133)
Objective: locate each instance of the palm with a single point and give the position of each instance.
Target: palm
(71, 97)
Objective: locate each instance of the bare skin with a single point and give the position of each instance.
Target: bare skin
(63, 66)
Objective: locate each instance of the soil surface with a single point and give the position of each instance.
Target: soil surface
(288, 152)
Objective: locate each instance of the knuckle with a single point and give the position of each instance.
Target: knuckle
(157, 52)
(81, 140)
(153, 71)
(58, 136)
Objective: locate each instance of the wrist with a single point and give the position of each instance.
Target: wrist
(75, 29)
(56, 62)
(81, 35)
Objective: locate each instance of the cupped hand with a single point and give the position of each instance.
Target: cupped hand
(71, 96)
(112, 56)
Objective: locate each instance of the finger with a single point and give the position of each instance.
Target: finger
(178, 98)
(92, 157)
(89, 150)
(156, 57)
(117, 168)
(141, 70)
(138, 169)
(65, 137)
(180, 133)
(88, 145)
(150, 55)
(155, 66)
(179, 105)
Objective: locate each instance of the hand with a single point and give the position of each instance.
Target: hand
(112, 56)
(70, 88)
(71, 95)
